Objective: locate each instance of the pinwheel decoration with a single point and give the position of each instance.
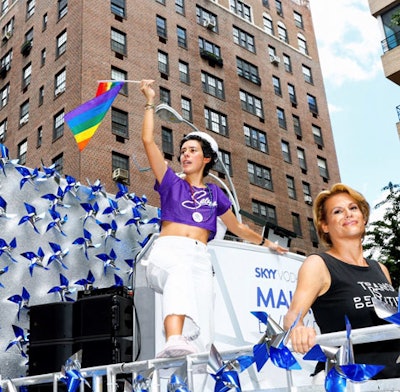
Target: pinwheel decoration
(8, 248)
(71, 374)
(95, 189)
(226, 373)
(86, 242)
(21, 300)
(56, 199)
(386, 311)
(141, 383)
(139, 202)
(91, 211)
(136, 219)
(5, 158)
(123, 192)
(57, 222)
(178, 380)
(2, 272)
(87, 282)
(131, 263)
(30, 176)
(58, 254)
(273, 345)
(32, 217)
(113, 208)
(35, 259)
(72, 186)
(21, 339)
(108, 260)
(63, 289)
(51, 172)
(3, 210)
(341, 364)
(110, 230)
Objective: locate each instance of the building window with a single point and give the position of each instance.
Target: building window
(287, 62)
(278, 6)
(184, 72)
(301, 156)
(312, 104)
(268, 25)
(118, 8)
(212, 85)
(165, 96)
(43, 57)
(4, 6)
(286, 151)
(6, 60)
(44, 22)
(296, 224)
(298, 20)
(251, 104)
(163, 65)
(313, 232)
(58, 125)
(292, 95)
(167, 142)
(119, 74)
(277, 85)
(317, 136)
(26, 76)
(307, 74)
(206, 19)
(297, 126)
(302, 43)
(30, 8)
(280, 113)
(118, 41)
(119, 123)
(265, 211)
(22, 151)
(120, 161)
(61, 43)
(161, 27)
(245, 40)
(291, 187)
(265, 3)
(182, 38)
(7, 30)
(41, 95)
(208, 46)
(247, 71)
(323, 168)
(282, 32)
(259, 175)
(242, 9)
(39, 137)
(58, 163)
(3, 130)
(60, 82)
(62, 8)
(255, 138)
(307, 192)
(216, 122)
(161, 2)
(180, 6)
(186, 106)
(4, 95)
(24, 113)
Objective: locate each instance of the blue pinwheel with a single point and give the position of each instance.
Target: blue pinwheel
(57, 222)
(95, 189)
(142, 382)
(63, 289)
(5, 158)
(8, 248)
(3, 210)
(136, 219)
(2, 272)
(123, 192)
(113, 208)
(86, 242)
(72, 186)
(51, 172)
(21, 300)
(108, 260)
(139, 202)
(386, 311)
(32, 217)
(110, 230)
(131, 263)
(178, 380)
(21, 339)
(340, 362)
(58, 254)
(35, 259)
(91, 211)
(118, 281)
(226, 373)
(56, 199)
(28, 176)
(71, 374)
(272, 345)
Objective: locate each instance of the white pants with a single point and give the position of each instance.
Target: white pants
(180, 269)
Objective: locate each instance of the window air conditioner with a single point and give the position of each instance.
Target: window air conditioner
(6, 36)
(208, 23)
(121, 175)
(274, 59)
(59, 90)
(308, 199)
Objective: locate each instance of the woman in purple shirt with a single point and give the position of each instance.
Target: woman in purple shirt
(179, 264)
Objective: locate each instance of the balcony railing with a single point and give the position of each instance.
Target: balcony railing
(391, 42)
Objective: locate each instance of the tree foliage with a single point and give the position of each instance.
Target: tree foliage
(382, 239)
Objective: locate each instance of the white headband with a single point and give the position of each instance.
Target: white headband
(206, 137)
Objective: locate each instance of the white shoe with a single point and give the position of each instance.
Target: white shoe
(177, 346)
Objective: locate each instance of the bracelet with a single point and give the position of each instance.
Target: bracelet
(149, 106)
(262, 242)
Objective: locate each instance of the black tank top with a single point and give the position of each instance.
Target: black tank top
(350, 293)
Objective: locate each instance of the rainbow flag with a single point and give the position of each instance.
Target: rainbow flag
(86, 118)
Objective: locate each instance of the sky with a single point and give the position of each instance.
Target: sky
(362, 102)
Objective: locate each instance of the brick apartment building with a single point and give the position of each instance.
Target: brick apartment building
(247, 72)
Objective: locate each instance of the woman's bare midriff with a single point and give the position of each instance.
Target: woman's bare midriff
(182, 230)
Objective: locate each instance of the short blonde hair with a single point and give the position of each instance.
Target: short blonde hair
(319, 211)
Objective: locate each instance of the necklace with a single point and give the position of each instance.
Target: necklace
(198, 216)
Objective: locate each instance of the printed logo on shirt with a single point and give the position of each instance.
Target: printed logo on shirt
(376, 290)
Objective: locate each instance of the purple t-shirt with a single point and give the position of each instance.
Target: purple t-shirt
(192, 206)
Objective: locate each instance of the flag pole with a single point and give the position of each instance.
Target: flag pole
(115, 80)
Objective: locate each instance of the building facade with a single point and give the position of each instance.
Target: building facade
(247, 72)
(387, 12)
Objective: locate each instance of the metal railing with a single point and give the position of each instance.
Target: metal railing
(391, 42)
